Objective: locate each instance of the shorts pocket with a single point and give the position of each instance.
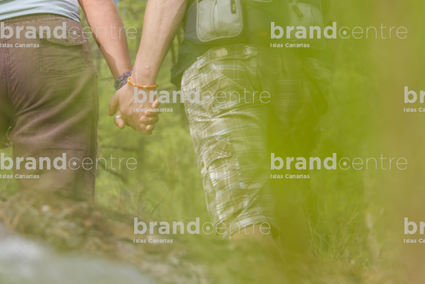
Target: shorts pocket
(215, 93)
(230, 95)
(63, 56)
(220, 174)
(231, 83)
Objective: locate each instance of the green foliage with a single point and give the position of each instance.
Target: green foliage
(167, 185)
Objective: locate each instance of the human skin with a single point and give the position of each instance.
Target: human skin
(162, 20)
(103, 17)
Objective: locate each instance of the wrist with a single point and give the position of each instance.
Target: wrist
(122, 80)
(143, 77)
(146, 87)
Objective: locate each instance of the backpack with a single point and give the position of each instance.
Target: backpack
(222, 22)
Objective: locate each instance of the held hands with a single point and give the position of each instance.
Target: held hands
(143, 120)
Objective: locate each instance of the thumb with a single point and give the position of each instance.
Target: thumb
(156, 103)
(113, 105)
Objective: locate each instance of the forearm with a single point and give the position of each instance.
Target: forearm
(105, 23)
(162, 20)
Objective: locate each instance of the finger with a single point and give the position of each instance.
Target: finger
(150, 128)
(149, 120)
(147, 130)
(113, 105)
(141, 127)
(137, 128)
(156, 104)
(120, 123)
(152, 112)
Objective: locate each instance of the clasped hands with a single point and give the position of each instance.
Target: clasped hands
(139, 116)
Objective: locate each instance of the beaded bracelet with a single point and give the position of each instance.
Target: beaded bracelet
(140, 86)
(122, 80)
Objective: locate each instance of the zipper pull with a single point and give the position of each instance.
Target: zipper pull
(233, 6)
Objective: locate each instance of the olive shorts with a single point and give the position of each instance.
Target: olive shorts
(49, 105)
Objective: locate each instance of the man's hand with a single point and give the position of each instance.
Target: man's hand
(122, 103)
